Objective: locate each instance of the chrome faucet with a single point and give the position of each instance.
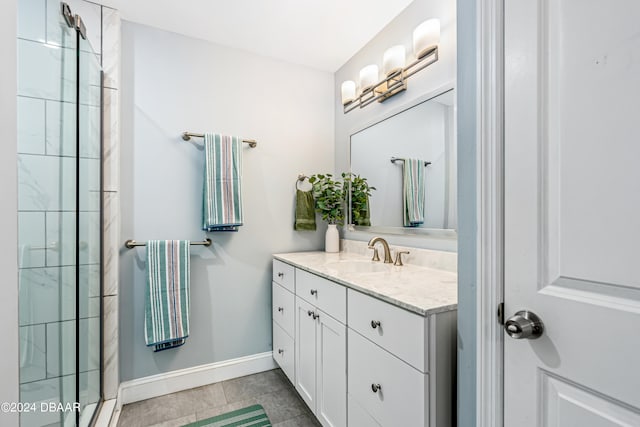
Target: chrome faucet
(385, 245)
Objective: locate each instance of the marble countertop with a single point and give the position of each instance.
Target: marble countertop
(421, 290)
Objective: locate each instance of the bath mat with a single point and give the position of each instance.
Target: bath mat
(252, 416)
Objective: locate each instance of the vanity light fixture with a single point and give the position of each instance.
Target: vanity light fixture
(426, 38)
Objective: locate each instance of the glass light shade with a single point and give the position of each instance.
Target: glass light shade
(368, 77)
(426, 37)
(393, 59)
(348, 91)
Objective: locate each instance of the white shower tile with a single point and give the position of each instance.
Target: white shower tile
(110, 363)
(46, 71)
(32, 353)
(61, 128)
(61, 341)
(31, 20)
(31, 125)
(31, 232)
(61, 238)
(90, 229)
(90, 344)
(52, 390)
(111, 150)
(89, 180)
(46, 295)
(111, 36)
(111, 242)
(90, 131)
(44, 183)
(89, 387)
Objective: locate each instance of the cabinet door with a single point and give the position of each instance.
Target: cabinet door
(305, 344)
(331, 405)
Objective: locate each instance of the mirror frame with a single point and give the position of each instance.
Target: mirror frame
(440, 233)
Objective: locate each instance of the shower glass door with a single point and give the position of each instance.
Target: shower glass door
(59, 219)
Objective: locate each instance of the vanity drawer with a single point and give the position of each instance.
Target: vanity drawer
(402, 333)
(283, 308)
(284, 274)
(358, 416)
(283, 352)
(403, 397)
(328, 296)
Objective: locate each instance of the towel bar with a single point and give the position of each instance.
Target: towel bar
(187, 136)
(130, 244)
(399, 159)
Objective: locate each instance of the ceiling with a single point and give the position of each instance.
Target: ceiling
(318, 34)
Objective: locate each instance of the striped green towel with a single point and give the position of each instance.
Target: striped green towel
(253, 416)
(166, 320)
(222, 190)
(413, 192)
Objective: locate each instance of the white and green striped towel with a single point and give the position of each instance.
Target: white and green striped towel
(222, 198)
(166, 310)
(413, 192)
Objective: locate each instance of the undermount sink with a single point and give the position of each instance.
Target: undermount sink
(358, 266)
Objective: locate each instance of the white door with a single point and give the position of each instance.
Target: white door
(331, 372)
(306, 352)
(572, 211)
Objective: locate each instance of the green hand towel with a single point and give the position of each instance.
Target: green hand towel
(305, 212)
(364, 218)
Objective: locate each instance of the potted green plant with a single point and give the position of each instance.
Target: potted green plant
(329, 199)
(359, 191)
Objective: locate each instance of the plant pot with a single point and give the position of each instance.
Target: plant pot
(332, 239)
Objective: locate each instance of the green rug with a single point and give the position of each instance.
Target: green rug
(253, 416)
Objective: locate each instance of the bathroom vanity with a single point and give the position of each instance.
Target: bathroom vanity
(367, 343)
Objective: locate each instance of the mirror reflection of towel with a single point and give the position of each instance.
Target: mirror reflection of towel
(305, 212)
(413, 192)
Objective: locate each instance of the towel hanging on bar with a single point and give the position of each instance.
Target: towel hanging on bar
(222, 188)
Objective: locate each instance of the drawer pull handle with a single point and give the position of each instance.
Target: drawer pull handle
(375, 324)
(281, 274)
(280, 351)
(280, 309)
(314, 292)
(376, 387)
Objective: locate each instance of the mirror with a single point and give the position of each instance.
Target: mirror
(424, 131)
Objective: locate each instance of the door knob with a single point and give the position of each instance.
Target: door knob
(524, 324)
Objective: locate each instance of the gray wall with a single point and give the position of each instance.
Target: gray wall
(467, 212)
(171, 84)
(398, 31)
(8, 218)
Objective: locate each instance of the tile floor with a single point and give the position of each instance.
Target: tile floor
(270, 389)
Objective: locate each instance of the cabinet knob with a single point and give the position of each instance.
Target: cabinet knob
(281, 274)
(315, 316)
(376, 387)
(280, 309)
(310, 313)
(280, 351)
(375, 324)
(314, 292)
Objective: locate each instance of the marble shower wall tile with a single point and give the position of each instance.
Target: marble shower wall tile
(31, 20)
(111, 149)
(32, 353)
(111, 47)
(111, 242)
(31, 125)
(110, 364)
(31, 239)
(46, 295)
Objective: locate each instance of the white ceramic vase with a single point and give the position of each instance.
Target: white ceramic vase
(332, 239)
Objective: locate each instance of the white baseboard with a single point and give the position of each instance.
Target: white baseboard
(184, 379)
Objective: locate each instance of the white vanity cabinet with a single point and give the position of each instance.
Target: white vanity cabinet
(360, 361)
(320, 343)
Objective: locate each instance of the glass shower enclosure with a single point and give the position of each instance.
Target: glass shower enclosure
(59, 217)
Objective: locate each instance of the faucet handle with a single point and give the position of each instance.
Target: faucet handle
(376, 256)
(399, 258)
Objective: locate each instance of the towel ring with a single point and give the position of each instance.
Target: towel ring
(301, 178)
